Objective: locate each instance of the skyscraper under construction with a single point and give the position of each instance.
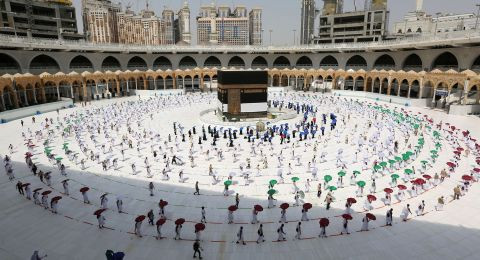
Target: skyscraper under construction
(307, 25)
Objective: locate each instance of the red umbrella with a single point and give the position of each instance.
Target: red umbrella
(460, 149)
(35, 190)
(402, 187)
(466, 177)
(99, 211)
(199, 226)
(179, 221)
(163, 203)
(258, 208)
(307, 206)
(25, 184)
(476, 169)
(478, 162)
(232, 208)
(284, 206)
(388, 190)
(450, 164)
(371, 216)
(453, 127)
(56, 198)
(371, 197)
(427, 177)
(84, 189)
(419, 181)
(351, 200)
(324, 222)
(46, 192)
(457, 153)
(27, 155)
(347, 216)
(140, 218)
(161, 221)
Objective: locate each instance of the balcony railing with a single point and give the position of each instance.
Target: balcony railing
(441, 39)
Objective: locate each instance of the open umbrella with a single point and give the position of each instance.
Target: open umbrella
(324, 222)
(228, 183)
(284, 206)
(163, 203)
(371, 197)
(402, 187)
(272, 182)
(199, 226)
(56, 198)
(25, 185)
(46, 192)
(466, 177)
(476, 169)
(271, 192)
(161, 221)
(179, 221)
(307, 206)
(35, 190)
(258, 208)
(332, 188)
(327, 178)
(347, 216)
(408, 171)
(140, 218)
(395, 176)
(295, 179)
(377, 167)
(357, 172)
(388, 190)
(84, 189)
(457, 152)
(450, 164)
(341, 173)
(426, 177)
(371, 216)
(351, 200)
(383, 164)
(361, 183)
(232, 208)
(98, 211)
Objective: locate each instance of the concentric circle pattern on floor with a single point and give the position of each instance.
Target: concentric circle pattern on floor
(370, 158)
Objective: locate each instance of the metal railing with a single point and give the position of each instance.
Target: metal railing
(459, 37)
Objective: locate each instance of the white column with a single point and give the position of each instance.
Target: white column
(96, 88)
(155, 83)
(354, 84)
(58, 92)
(25, 97)
(164, 84)
(409, 90)
(3, 102)
(71, 91)
(34, 95)
(136, 83)
(464, 96)
(128, 86)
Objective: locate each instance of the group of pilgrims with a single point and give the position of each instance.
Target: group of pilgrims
(293, 163)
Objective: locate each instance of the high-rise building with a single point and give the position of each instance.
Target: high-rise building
(182, 25)
(255, 26)
(144, 29)
(337, 26)
(100, 20)
(168, 18)
(307, 23)
(42, 19)
(223, 26)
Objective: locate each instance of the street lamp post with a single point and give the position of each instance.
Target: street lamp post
(294, 37)
(270, 36)
(263, 30)
(478, 14)
(13, 21)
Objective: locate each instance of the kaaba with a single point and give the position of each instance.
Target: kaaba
(242, 93)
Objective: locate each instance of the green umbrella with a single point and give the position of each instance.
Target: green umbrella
(395, 176)
(409, 153)
(392, 161)
(408, 171)
(398, 159)
(272, 191)
(295, 179)
(434, 156)
(438, 145)
(416, 126)
(227, 183)
(273, 182)
(59, 158)
(356, 172)
(327, 178)
(332, 188)
(377, 167)
(383, 164)
(433, 151)
(361, 183)
(341, 173)
(424, 162)
(405, 157)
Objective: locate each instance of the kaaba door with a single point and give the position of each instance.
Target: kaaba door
(234, 105)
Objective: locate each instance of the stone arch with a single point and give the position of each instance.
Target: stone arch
(212, 62)
(412, 62)
(415, 89)
(111, 63)
(473, 95)
(9, 65)
(80, 64)
(385, 62)
(476, 64)
(329, 62)
(43, 63)
(403, 88)
(359, 84)
(162, 63)
(304, 62)
(259, 63)
(169, 82)
(137, 63)
(51, 94)
(236, 62)
(284, 80)
(9, 98)
(445, 61)
(348, 84)
(356, 62)
(281, 62)
(187, 62)
(384, 86)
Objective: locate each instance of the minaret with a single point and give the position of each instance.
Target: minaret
(307, 21)
(419, 6)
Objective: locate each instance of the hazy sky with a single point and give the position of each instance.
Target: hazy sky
(283, 16)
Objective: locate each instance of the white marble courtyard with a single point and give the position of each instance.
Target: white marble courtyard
(450, 233)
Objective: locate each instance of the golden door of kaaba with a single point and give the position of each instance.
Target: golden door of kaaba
(234, 101)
